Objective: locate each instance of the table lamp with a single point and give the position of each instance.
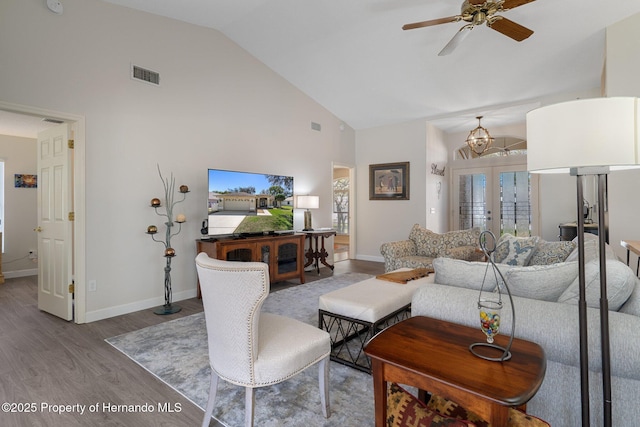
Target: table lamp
(307, 202)
(587, 137)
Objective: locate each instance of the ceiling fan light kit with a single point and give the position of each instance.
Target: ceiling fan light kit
(479, 139)
(478, 12)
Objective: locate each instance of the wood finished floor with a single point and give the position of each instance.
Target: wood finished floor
(47, 361)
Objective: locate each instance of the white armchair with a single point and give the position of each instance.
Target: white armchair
(249, 348)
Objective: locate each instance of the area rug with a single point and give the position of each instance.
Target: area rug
(176, 352)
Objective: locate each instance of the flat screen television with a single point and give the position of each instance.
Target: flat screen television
(247, 204)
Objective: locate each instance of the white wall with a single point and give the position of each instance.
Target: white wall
(217, 106)
(437, 186)
(622, 47)
(20, 215)
(623, 61)
(380, 221)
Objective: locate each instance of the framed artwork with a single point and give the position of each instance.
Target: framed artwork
(26, 181)
(389, 181)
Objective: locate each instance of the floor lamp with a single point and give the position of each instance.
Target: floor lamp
(587, 137)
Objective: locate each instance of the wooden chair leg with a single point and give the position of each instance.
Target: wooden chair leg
(323, 374)
(213, 388)
(249, 403)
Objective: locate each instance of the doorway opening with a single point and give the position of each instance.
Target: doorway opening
(26, 114)
(341, 212)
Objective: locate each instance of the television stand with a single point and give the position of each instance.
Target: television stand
(283, 253)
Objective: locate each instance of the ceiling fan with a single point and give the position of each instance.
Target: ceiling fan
(478, 12)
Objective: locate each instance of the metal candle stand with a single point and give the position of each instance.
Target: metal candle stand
(169, 252)
(506, 353)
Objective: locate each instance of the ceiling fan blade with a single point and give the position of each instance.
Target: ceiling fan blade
(476, 2)
(456, 40)
(510, 29)
(431, 22)
(511, 4)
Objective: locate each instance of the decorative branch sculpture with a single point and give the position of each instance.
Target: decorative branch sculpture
(152, 230)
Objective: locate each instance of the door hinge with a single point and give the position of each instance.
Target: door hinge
(71, 144)
(72, 216)
(72, 288)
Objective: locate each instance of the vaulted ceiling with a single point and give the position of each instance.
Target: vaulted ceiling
(353, 57)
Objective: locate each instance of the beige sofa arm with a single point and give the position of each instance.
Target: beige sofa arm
(393, 251)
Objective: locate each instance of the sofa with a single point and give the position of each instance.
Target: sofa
(545, 298)
(423, 246)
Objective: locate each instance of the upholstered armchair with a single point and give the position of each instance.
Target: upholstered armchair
(250, 348)
(423, 245)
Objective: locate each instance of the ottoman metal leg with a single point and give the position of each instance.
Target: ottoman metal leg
(349, 336)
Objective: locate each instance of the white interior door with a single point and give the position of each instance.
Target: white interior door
(498, 199)
(54, 226)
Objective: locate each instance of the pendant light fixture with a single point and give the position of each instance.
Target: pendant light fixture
(479, 139)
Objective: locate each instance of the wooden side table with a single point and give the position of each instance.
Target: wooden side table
(317, 254)
(434, 355)
(569, 230)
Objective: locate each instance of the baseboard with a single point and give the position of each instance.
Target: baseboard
(370, 258)
(20, 273)
(106, 313)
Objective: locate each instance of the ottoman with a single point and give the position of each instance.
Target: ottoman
(356, 313)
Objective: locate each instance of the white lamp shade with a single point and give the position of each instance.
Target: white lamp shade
(308, 202)
(584, 133)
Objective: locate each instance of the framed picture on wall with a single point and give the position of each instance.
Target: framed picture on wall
(389, 181)
(25, 181)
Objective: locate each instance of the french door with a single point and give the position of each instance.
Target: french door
(501, 199)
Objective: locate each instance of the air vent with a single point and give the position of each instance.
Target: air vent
(144, 75)
(50, 120)
(316, 126)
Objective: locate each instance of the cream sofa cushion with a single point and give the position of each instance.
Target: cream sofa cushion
(465, 274)
(620, 284)
(541, 282)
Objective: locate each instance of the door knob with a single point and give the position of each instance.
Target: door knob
(38, 229)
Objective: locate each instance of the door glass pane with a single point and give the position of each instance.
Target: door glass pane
(287, 258)
(473, 201)
(265, 253)
(341, 205)
(515, 206)
(241, 254)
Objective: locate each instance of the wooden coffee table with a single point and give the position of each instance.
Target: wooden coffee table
(434, 355)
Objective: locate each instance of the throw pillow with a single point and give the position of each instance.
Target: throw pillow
(621, 282)
(591, 249)
(427, 242)
(551, 252)
(517, 418)
(403, 409)
(465, 274)
(458, 238)
(513, 250)
(541, 282)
